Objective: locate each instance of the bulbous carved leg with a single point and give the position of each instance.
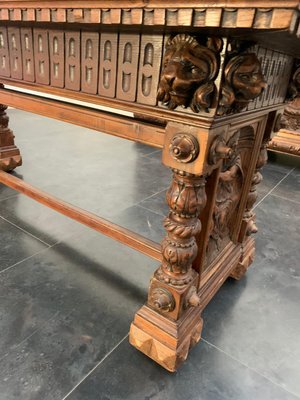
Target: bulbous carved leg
(9, 154)
(170, 323)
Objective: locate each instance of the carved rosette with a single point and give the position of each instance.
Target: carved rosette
(186, 198)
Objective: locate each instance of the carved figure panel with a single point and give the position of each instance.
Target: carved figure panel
(72, 60)
(150, 61)
(4, 53)
(89, 61)
(243, 82)
(189, 71)
(27, 54)
(128, 66)
(108, 64)
(14, 43)
(228, 195)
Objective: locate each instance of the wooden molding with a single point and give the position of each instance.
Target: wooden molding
(260, 15)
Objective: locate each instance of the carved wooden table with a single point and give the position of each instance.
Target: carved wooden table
(205, 83)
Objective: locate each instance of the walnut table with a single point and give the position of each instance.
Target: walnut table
(206, 83)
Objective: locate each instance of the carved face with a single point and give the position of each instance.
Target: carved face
(187, 66)
(246, 78)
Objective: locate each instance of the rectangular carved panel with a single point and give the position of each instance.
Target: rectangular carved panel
(127, 66)
(72, 60)
(149, 69)
(57, 58)
(4, 53)
(14, 43)
(108, 64)
(41, 56)
(27, 54)
(89, 61)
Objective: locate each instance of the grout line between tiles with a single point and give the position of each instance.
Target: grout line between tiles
(285, 198)
(247, 366)
(270, 191)
(28, 233)
(25, 259)
(93, 369)
(10, 197)
(152, 152)
(154, 212)
(29, 336)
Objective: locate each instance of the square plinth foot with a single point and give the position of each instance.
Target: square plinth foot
(247, 257)
(164, 341)
(10, 159)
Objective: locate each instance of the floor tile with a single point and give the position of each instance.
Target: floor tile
(157, 203)
(70, 307)
(6, 192)
(289, 188)
(256, 320)
(64, 309)
(142, 221)
(208, 375)
(42, 222)
(272, 174)
(114, 172)
(16, 245)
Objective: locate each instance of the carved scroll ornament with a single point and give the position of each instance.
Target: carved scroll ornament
(190, 69)
(243, 82)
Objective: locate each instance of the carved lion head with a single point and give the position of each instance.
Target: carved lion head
(244, 81)
(189, 70)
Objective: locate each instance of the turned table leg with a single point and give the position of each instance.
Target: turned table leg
(170, 323)
(10, 157)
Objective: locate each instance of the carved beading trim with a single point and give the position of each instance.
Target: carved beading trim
(251, 17)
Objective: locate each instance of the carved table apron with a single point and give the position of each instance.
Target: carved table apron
(206, 84)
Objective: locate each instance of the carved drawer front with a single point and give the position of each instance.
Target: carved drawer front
(127, 66)
(149, 68)
(41, 56)
(4, 53)
(57, 57)
(89, 61)
(108, 64)
(14, 43)
(27, 54)
(72, 60)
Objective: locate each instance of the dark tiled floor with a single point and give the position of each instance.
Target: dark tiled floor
(68, 295)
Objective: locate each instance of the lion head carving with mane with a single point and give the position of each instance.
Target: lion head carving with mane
(244, 82)
(189, 71)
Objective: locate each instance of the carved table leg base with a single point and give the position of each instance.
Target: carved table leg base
(10, 157)
(164, 341)
(247, 257)
(9, 160)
